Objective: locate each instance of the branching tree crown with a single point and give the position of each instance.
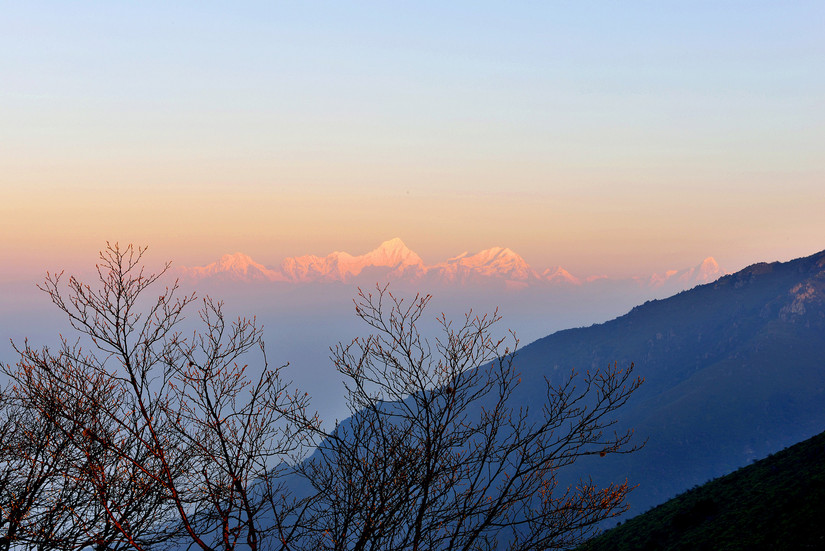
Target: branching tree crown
(437, 454)
(166, 435)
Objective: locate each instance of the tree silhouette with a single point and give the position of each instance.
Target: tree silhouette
(169, 438)
(437, 456)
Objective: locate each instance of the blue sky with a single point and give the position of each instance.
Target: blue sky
(639, 134)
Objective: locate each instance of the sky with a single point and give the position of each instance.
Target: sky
(606, 137)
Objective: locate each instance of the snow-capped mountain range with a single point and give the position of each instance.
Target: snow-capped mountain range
(393, 260)
(705, 272)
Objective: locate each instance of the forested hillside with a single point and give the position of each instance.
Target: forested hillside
(775, 503)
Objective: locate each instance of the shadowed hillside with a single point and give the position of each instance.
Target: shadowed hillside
(734, 370)
(776, 503)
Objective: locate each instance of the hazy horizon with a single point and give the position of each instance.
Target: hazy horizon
(302, 320)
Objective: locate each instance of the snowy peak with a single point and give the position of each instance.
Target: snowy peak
(390, 260)
(705, 272)
(393, 260)
(497, 262)
(560, 275)
(709, 270)
(503, 261)
(310, 267)
(393, 255)
(237, 262)
(235, 267)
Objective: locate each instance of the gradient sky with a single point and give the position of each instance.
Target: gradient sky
(607, 137)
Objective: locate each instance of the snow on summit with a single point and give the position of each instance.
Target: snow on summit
(705, 272)
(342, 266)
(235, 267)
(497, 262)
(392, 254)
(560, 275)
(393, 260)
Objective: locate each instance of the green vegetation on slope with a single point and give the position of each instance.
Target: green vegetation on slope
(775, 503)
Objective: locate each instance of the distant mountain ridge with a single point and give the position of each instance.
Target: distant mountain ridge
(392, 255)
(393, 260)
(705, 272)
(236, 267)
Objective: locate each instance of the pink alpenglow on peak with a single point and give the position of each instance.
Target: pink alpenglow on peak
(705, 272)
(560, 275)
(390, 260)
(393, 254)
(335, 266)
(709, 270)
(341, 266)
(497, 262)
(235, 267)
(393, 260)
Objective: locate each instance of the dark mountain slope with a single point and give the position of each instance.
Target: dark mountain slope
(734, 370)
(776, 503)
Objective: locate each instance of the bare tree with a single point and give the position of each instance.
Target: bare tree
(169, 435)
(437, 456)
(31, 460)
(96, 495)
(44, 502)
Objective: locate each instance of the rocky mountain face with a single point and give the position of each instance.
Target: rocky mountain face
(394, 261)
(734, 370)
